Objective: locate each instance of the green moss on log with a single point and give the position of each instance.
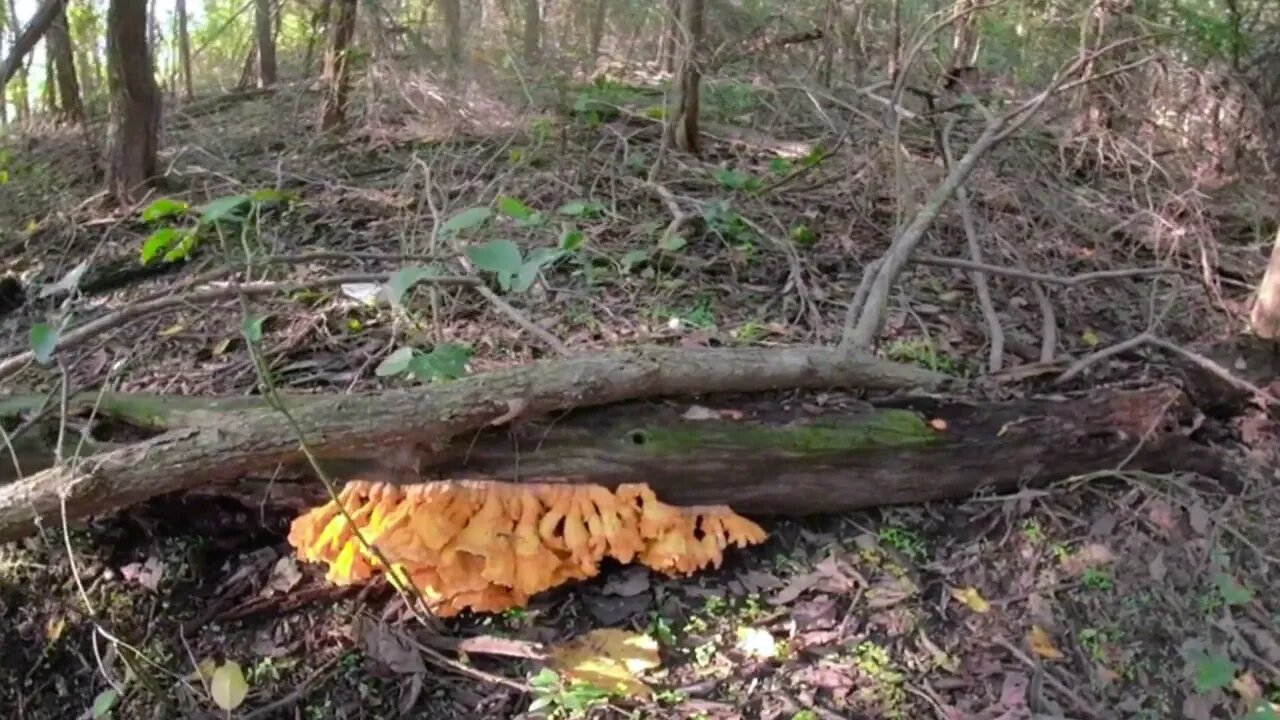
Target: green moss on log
(875, 430)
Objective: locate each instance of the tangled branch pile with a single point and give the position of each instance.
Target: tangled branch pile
(488, 546)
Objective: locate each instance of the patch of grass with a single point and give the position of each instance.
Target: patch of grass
(906, 541)
(1032, 532)
(1097, 579)
(919, 352)
(886, 687)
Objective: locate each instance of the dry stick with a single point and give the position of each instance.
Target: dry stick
(1024, 274)
(1084, 706)
(1048, 319)
(129, 313)
(1147, 338)
(871, 314)
(994, 330)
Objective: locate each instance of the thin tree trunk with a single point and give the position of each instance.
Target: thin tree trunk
(670, 31)
(599, 15)
(319, 23)
(50, 85)
(70, 105)
(25, 40)
(681, 131)
(333, 109)
(266, 43)
(134, 130)
(184, 49)
(532, 30)
(453, 37)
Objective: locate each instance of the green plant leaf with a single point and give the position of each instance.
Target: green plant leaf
(44, 338)
(582, 208)
(814, 156)
(540, 703)
(404, 279)
(228, 687)
(543, 256)
(159, 242)
(633, 258)
(446, 361)
(1233, 593)
(268, 196)
(225, 209)
(182, 250)
(1263, 711)
(251, 328)
(514, 208)
(395, 363)
(779, 166)
(466, 220)
(546, 677)
(1212, 672)
(496, 256)
(673, 243)
(572, 239)
(164, 208)
(526, 277)
(103, 703)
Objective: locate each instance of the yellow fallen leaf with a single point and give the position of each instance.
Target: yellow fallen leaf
(204, 671)
(1089, 338)
(1041, 644)
(757, 642)
(171, 330)
(54, 627)
(608, 659)
(970, 596)
(221, 346)
(228, 687)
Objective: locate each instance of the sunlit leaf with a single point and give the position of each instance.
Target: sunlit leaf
(1041, 644)
(497, 256)
(1089, 338)
(970, 597)
(54, 627)
(395, 363)
(68, 282)
(757, 642)
(609, 659)
(466, 220)
(182, 250)
(44, 338)
(171, 330)
(572, 239)
(164, 208)
(103, 703)
(514, 208)
(268, 196)
(228, 687)
(158, 242)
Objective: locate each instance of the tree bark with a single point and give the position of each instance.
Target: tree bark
(24, 41)
(184, 49)
(1265, 314)
(246, 441)
(134, 132)
(681, 129)
(70, 106)
(670, 30)
(337, 71)
(599, 14)
(266, 43)
(453, 37)
(532, 30)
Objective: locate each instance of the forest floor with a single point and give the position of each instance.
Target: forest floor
(1120, 595)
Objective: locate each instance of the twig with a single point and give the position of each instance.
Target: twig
(1082, 705)
(129, 313)
(1048, 319)
(994, 330)
(1024, 274)
(1147, 338)
(519, 318)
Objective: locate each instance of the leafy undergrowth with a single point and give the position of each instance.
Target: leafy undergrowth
(1132, 596)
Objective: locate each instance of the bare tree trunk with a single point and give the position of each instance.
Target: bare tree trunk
(681, 130)
(670, 30)
(453, 36)
(24, 41)
(70, 105)
(598, 17)
(134, 130)
(184, 49)
(319, 22)
(532, 30)
(1265, 316)
(50, 86)
(266, 43)
(895, 50)
(337, 71)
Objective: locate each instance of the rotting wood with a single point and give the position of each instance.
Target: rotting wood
(420, 421)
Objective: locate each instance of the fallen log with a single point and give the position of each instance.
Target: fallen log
(247, 439)
(761, 460)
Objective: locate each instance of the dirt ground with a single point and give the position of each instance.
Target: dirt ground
(1116, 595)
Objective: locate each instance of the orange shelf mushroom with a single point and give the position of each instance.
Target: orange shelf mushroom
(488, 546)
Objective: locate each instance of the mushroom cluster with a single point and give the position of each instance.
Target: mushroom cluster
(488, 546)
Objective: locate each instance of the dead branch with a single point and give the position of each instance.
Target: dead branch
(1024, 274)
(998, 128)
(27, 39)
(139, 310)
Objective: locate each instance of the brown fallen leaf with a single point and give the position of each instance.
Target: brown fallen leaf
(1041, 644)
(796, 586)
(1199, 518)
(387, 647)
(971, 598)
